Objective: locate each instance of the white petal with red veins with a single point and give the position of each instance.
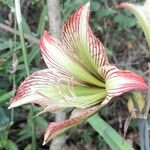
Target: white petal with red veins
(56, 128)
(55, 57)
(82, 45)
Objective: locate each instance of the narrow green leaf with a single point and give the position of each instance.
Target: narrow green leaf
(25, 26)
(41, 122)
(33, 53)
(6, 96)
(42, 21)
(4, 45)
(115, 141)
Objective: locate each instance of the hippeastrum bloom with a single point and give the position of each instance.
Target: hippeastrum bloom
(142, 13)
(79, 75)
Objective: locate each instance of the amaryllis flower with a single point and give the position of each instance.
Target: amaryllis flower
(79, 75)
(142, 13)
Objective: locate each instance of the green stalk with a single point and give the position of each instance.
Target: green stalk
(24, 49)
(148, 95)
(142, 121)
(19, 21)
(142, 124)
(13, 74)
(143, 132)
(12, 110)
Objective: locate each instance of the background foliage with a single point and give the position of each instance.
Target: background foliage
(126, 48)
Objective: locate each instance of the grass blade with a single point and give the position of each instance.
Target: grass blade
(115, 141)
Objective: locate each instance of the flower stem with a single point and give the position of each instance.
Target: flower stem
(19, 21)
(144, 133)
(142, 125)
(54, 15)
(142, 121)
(148, 96)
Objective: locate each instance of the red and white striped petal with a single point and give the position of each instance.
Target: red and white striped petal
(42, 88)
(82, 45)
(54, 90)
(52, 52)
(56, 128)
(55, 56)
(120, 81)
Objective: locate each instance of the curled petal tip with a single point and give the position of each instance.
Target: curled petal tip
(125, 5)
(145, 86)
(122, 5)
(118, 6)
(87, 4)
(43, 143)
(121, 81)
(10, 106)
